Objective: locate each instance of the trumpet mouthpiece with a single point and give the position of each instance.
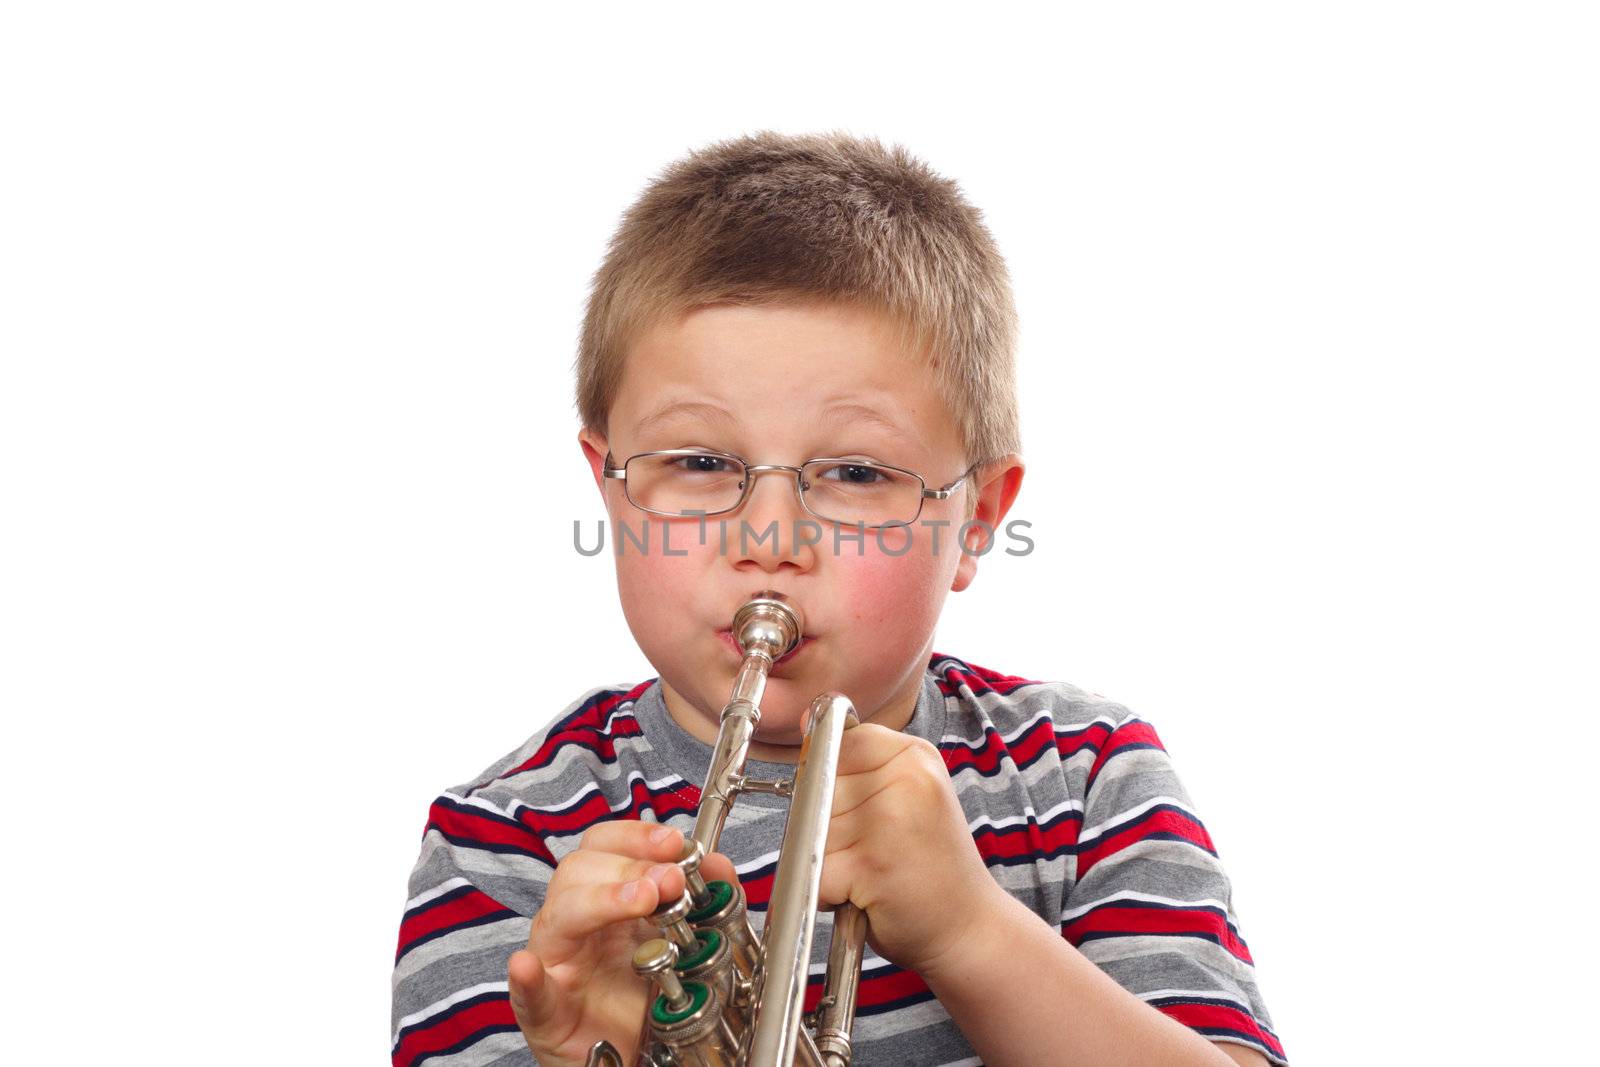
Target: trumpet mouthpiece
(766, 619)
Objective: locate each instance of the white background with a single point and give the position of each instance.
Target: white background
(290, 295)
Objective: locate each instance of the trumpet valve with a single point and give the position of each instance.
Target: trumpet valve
(672, 917)
(694, 854)
(656, 960)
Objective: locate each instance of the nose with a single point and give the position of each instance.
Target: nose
(774, 529)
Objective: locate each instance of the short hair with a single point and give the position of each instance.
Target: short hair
(769, 219)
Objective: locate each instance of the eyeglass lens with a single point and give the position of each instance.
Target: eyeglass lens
(846, 493)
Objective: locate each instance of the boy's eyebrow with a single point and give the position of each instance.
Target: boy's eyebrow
(841, 412)
(862, 413)
(680, 408)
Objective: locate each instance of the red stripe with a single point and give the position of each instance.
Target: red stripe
(597, 808)
(1161, 820)
(1113, 918)
(1129, 733)
(585, 729)
(470, 905)
(958, 674)
(1221, 1017)
(986, 758)
(874, 990)
(462, 824)
(453, 1029)
(1027, 839)
(1092, 737)
(888, 988)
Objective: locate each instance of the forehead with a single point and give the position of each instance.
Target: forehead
(786, 369)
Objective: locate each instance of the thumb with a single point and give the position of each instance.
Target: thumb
(525, 980)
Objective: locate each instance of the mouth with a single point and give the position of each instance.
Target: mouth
(726, 637)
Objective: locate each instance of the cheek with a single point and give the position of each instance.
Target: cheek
(898, 597)
(652, 576)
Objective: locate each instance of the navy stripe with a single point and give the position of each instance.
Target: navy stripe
(1130, 746)
(1143, 817)
(1003, 832)
(623, 708)
(1216, 1002)
(444, 898)
(1079, 847)
(1159, 906)
(1003, 751)
(481, 813)
(445, 1013)
(589, 795)
(468, 1041)
(491, 846)
(1106, 935)
(891, 1005)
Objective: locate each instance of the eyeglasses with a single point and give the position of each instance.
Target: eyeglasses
(695, 483)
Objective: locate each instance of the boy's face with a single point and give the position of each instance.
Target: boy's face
(785, 384)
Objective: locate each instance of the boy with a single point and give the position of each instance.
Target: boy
(1037, 886)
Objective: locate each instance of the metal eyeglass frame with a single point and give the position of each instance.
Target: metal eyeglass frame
(752, 469)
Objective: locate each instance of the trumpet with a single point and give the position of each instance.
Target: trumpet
(721, 996)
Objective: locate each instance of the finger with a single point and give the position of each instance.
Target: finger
(870, 746)
(842, 879)
(601, 890)
(631, 837)
(911, 781)
(718, 868)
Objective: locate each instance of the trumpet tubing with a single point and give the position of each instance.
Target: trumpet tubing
(721, 996)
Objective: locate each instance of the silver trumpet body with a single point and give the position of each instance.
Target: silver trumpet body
(721, 996)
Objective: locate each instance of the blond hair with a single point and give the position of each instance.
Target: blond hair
(769, 218)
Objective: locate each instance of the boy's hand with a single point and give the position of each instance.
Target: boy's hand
(574, 983)
(899, 848)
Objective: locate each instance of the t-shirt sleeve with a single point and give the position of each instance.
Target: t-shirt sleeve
(479, 879)
(1151, 904)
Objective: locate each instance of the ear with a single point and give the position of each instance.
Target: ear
(997, 484)
(595, 450)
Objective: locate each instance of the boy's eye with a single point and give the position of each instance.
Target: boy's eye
(853, 474)
(701, 465)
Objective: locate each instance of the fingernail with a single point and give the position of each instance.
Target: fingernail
(628, 892)
(660, 835)
(658, 872)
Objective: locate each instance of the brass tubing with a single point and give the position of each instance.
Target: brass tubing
(837, 1012)
(792, 910)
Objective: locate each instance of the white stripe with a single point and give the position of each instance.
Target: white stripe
(439, 1006)
(625, 708)
(561, 763)
(657, 786)
(1089, 833)
(477, 802)
(976, 744)
(980, 741)
(1149, 898)
(437, 891)
(1070, 699)
(1209, 994)
(1026, 816)
(756, 864)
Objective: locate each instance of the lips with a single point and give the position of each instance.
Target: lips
(726, 636)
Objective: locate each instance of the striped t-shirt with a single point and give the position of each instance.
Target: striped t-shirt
(1071, 800)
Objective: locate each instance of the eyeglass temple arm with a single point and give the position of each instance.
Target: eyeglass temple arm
(944, 494)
